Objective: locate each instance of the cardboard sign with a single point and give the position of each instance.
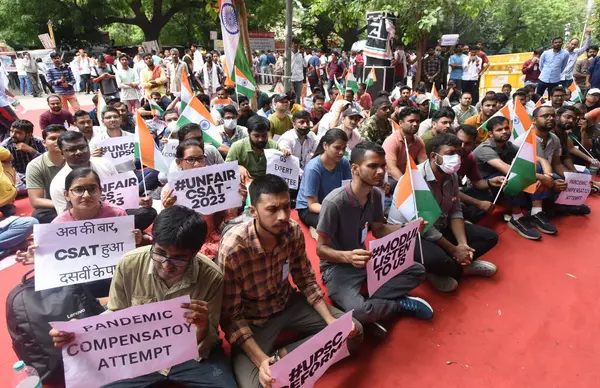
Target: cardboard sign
(392, 254)
(80, 251)
(578, 189)
(287, 168)
(119, 150)
(208, 189)
(307, 363)
(169, 149)
(127, 343)
(121, 190)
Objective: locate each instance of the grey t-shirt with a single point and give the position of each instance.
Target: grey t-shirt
(344, 220)
(40, 172)
(488, 150)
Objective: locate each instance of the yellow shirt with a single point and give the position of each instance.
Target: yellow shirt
(146, 77)
(296, 108)
(476, 122)
(8, 192)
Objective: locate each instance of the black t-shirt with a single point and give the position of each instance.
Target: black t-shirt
(243, 120)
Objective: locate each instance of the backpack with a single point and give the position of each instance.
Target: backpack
(28, 314)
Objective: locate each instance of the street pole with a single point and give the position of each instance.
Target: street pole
(288, 45)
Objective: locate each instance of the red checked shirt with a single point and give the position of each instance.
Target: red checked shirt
(256, 284)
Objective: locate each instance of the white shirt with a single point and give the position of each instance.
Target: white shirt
(297, 67)
(20, 65)
(85, 65)
(3, 97)
(103, 135)
(302, 150)
(198, 61)
(102, 167)
(471, 69)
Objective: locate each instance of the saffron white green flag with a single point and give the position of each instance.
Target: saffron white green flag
(244, 79)
(351, 82)
(521, 176)
(576, 95)
(231, 33)
(371, 78)
(195, 112)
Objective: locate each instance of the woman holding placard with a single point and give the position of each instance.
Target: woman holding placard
(84, 202)
(189, 155)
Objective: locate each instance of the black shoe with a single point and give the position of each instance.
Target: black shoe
(377, 330)
(524, 228)
(542, 224)
(580, 210)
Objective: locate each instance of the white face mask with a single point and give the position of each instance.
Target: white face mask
(230, 123)
(450, 164)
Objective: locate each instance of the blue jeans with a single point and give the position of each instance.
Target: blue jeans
(208, 373)
(21, 184)
(24, 80)
(15, 233)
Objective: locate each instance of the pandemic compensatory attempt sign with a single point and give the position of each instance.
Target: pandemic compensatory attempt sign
(209, 189)
(127, 343)
(80, 251)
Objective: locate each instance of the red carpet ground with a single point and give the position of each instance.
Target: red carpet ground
(533, 325)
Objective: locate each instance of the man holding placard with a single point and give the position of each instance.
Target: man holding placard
(257, 257)
(114, 144)
(346, 214)
(300, 141)
(170, 268)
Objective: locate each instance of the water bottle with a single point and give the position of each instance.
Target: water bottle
(25, 376)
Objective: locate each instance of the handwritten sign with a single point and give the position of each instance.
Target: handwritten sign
(209, 189)
(285, 167)
(578, 189)
(127, 343)
(119, 150)
(121, 190)
(392, 254)
(306, 364)
(169, 149)
(80, 251)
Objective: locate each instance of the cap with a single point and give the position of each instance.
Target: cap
(19, 365)
(109, 99)
(594, 91)
(421, 99)
(280, 97)
(352, 112)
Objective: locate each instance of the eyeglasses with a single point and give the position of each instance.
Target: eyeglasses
(82, 148)
(79, 191)
(192, 161)
(163, 259)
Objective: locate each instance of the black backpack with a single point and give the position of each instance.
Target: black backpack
(28, 314)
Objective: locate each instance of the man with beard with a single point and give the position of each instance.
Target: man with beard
(574, 51)
(257, 258)
(395, 144)
(210, 76)
(441, 122)
(405, 96)
(346, 214)
(464, 110)
(488, 108)
(245, 111)
(557, 97)
(56, 114)
(85, 125)
(24, 147)
(379, 126)
(250, 152)
(317, 112)
(568, 117)
(581, 68)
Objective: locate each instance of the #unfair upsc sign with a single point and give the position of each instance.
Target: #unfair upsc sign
(80, 251)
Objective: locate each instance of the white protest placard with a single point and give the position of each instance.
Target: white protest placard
(578, 189)
(303, 366)
(392, 254)
(209, 189)
(80, 251)
(121, 190)
(169, 149)
(381, 192)
(127, 343)
(285, 167)
(119, 150)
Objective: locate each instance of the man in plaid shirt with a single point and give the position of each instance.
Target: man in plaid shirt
(432, 67)
(257, 258)
(61, 78)
(24, 147)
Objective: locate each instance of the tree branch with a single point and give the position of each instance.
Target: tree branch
(180, 6)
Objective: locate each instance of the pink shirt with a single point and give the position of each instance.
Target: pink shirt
(107, 210)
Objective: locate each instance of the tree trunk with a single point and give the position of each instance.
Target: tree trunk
(421, 47)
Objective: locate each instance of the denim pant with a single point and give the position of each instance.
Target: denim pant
(24, 80)
(297, 85)
(206, 373)
(266, 75)
(343, 282)
(21, 184)
(15, 233)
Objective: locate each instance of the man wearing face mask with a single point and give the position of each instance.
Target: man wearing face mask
(300, 141)
(230, 130)
(451, 247)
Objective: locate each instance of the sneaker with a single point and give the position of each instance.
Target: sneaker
(313, 233)
(542, 224)
(442, 283)
(524, 228)
(416, 307)
(480, 268)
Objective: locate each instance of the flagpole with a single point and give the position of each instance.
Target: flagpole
(140, 148)
(511, 165)
(581, 145)
(414, 198)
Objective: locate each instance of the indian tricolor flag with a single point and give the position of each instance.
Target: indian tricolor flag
(186, 90)
(155, 108)
(413, 197)
(395, 126)
(521, 176)
(434, 101)
(505, 111)
(576, 95)
(521, 122)
(338, 85)
(351, 82)
(146, 148)
(195, 112)
(244, 79)
(371, 79)
(539, 103)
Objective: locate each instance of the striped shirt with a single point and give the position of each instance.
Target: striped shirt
(54, 76)
(256, 284)
(22, 158)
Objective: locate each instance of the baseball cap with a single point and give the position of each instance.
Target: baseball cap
(421, 99)
(110, 99)
(594, 91)
(352, 112)
(280, 97)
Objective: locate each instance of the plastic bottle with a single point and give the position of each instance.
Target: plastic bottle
(25, 376)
